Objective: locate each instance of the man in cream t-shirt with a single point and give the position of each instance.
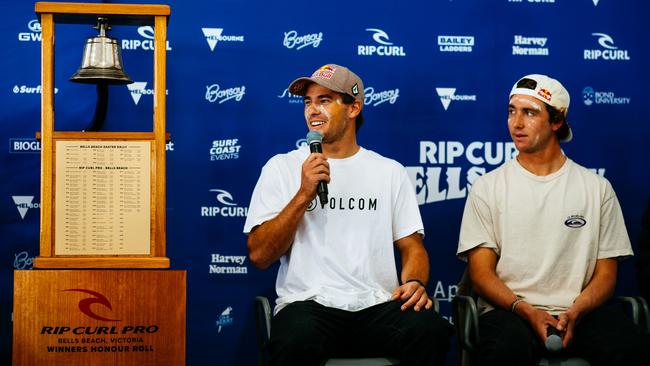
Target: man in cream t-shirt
(543, 236)
(339, 293)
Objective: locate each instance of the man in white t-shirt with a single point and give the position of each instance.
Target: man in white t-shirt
(542, 236)
(339, 293)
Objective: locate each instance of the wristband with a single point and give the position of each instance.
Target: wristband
(514, 304)
(415, 280)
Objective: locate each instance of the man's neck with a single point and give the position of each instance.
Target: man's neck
(541, 163)
(340, 149)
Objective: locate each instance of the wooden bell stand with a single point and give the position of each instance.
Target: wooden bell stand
(117, 14)
(101, 308)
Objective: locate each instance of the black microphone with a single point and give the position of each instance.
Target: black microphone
(314, 139)
(553, 339)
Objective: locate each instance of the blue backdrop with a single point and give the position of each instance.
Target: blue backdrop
(437, 77)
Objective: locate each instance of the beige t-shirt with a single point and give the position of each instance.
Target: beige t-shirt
(547, 231)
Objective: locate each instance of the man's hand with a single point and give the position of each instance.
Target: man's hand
(538, 319)
(567, 321)
(314, 169)
(413, 294)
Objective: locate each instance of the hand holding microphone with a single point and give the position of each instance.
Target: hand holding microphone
(315, 139)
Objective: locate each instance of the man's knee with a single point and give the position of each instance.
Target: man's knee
(296, 325)
(295, 336)
(505, 339)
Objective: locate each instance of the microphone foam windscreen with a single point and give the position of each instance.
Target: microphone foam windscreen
(314, 136)
(554, 343)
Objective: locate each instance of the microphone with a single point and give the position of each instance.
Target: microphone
(314, 139)
(553, 340)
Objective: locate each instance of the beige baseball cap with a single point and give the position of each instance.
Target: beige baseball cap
(549, 91)
(334, 77)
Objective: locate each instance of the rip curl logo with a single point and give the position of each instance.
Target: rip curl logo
(385, 48)
(84, 304)
(148, 33)
(227, 207)
(575, 221)
(224, 197)
(609, 50)
(380, 36)
(605, 40)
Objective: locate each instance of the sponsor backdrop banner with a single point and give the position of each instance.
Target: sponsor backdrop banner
(437, 76)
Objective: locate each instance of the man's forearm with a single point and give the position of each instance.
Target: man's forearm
(415, 261)
(481, 270)
(270, 240)
(599, 289)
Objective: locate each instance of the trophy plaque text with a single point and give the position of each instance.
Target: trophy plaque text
(103, 204)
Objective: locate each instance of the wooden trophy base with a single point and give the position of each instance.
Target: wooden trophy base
(99, 317)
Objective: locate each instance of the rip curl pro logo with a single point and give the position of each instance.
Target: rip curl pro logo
(84, 304)
(575, 221)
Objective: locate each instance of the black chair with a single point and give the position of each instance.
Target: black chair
(465, 314)
(263, 332)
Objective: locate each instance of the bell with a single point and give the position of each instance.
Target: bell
(102, 60)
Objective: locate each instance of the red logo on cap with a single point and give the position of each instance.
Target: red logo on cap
(545, 94)
(325, 72)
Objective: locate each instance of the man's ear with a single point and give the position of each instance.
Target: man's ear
(355, 109)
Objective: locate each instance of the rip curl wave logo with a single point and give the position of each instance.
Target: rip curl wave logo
(605, 40)
(380, 36)
(84, 304)
(224, 197)
(575, 221)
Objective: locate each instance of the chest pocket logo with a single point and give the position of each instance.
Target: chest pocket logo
(575, 221)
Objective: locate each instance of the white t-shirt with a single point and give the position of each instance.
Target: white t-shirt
(342, 255)
(547, 231)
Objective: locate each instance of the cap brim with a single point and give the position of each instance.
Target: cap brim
(299, 86)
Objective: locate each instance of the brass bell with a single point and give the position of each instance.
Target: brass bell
(102, 60)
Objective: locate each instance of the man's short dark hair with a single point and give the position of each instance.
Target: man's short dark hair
(555, 116)
(348, 99)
